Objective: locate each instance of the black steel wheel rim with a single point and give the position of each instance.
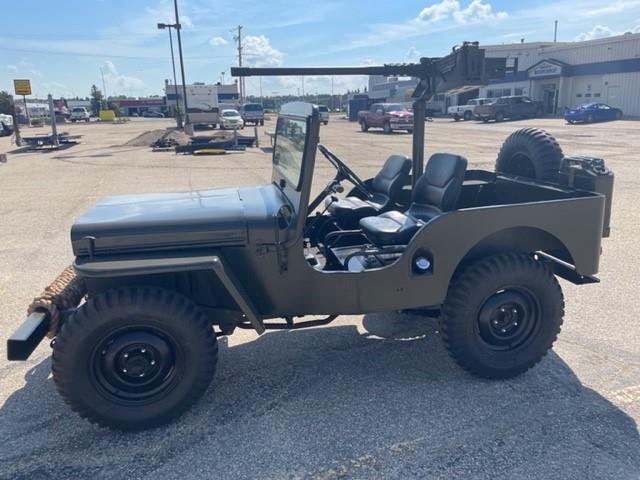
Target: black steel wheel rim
(508, 319)
(136, 365)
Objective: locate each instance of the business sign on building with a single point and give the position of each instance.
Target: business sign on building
(545, 69)
(22, 87)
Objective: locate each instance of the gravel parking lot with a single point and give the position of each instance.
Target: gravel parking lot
(365, 397)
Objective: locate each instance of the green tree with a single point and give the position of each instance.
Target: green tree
(5, 103)
(115, 107)
(96, 100)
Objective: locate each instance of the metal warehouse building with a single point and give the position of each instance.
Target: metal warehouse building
(559, 74)
(605, 70)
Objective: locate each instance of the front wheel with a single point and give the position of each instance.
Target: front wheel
(501, 315)
(387, 128)
(363, 126)
(467, 116)
(456, 118)
(134, 358)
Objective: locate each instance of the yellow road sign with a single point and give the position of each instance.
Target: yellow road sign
(22, 87)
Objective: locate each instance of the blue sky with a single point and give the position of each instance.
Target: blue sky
(61, 46)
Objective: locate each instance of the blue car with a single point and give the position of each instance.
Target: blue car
(592, 112)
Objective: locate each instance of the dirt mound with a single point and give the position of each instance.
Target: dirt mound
(147, 138)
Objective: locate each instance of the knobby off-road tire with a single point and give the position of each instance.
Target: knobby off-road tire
(134, 358)
(501, 315)
(532, 153)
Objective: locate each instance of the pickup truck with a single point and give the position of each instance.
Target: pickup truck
(80, 114)
(466, 111)
(252, 113)
(6, 124)
(517, 106)
(388, 116)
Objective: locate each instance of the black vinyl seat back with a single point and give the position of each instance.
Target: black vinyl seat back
(393, 176)
(439, 187)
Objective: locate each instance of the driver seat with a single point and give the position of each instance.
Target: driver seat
(436, 191)
(386, 188)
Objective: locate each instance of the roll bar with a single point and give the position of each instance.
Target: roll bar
(465, 66)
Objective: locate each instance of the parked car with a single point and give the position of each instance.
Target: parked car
(6, 124)
(324, 114)
(231, 119)
(592, 112)
(152, 114)
(252, 113)
(465, 112)
(388, 116)
(517, 106)
(79, 114)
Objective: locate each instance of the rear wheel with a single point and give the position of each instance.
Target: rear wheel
(134, 358)
(501, 315)
(532, 153)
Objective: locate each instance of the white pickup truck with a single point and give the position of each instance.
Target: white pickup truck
(465, 112)
(6, 124)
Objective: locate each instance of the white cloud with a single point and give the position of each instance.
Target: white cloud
(259, 52)
(12, 68)
(599, 31)
(476, 11)
(216, 41)
(412, 55)
(185, 21)
(116, 83)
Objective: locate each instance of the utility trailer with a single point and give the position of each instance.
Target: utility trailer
(158, 277)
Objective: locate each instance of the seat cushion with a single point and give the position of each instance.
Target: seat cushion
(354, 208)
(390, 228)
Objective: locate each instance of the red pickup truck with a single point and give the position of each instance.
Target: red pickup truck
(388, 116)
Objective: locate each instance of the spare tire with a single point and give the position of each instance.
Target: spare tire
(531, 153)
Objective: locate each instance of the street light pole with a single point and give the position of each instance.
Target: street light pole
(178, 27)
(162, 26)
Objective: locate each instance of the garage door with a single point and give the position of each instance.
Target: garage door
(613, 95)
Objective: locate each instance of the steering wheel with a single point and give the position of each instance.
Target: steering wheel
(344, 172)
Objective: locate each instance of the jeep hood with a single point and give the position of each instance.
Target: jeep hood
(168, 221)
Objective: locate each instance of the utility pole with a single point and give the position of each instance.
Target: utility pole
(238, 38)
(261, 99)
(555, 32)
(187, 123)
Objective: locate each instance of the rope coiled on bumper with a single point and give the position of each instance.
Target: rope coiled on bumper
(65, 292)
